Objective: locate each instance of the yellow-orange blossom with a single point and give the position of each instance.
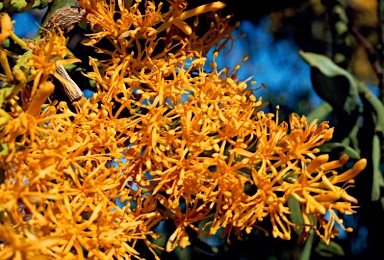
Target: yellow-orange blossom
(63, 175)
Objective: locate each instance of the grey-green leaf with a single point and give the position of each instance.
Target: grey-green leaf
(341, 148)
(332, 83)
(320, 112)
(378, 180)
(295, 215)
(331, 250)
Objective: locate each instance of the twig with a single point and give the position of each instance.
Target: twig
(380, 44)
(372, 56)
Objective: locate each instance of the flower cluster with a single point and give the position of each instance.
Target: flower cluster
(165, 136)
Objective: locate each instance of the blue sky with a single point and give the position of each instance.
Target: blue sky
(276, 64)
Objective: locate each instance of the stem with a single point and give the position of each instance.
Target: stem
(19, 41)
(380, 31)
(373, 59)
(5, 64)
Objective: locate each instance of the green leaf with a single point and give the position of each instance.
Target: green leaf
(4, 149)
(340, 148)
(306, 253)
(295, 216)
(69, 67)
(6, 89)
(377, 106)
(17, 5)
(20, 6)
(92, 82)
(331, 250)
(320, 112)
(332, 83)
(21, 62)
(337, 87)
(352, 140)
(6, 43)
(183, 254)
(378, 181)
(41, 4)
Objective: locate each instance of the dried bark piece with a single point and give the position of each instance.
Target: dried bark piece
(74, 93)
(66, 18)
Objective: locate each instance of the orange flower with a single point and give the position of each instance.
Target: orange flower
(6, 31)
(161, 138)
(177, 17)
